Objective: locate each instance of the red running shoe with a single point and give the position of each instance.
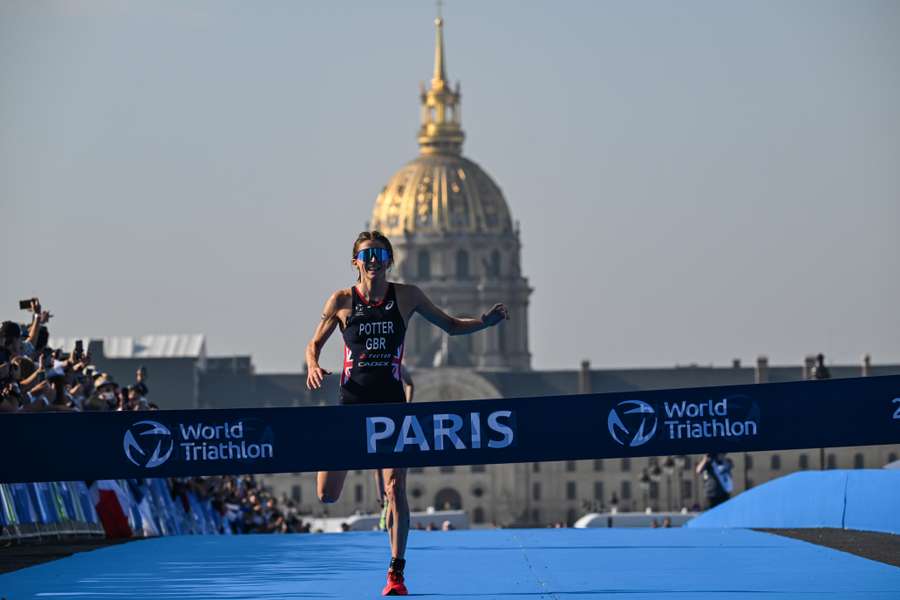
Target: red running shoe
(395, 586)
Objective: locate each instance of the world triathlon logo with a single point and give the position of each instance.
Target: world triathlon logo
(632, 422)
(153, 445)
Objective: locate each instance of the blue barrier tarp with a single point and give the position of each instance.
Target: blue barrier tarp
(864, 499)
(873, 500)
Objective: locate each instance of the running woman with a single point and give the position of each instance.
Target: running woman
(372, 316)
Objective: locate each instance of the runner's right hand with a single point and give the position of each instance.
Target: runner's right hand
(315, 377)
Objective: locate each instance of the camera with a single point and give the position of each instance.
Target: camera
(26, 304)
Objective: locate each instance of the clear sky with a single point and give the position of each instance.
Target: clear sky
(696, 181)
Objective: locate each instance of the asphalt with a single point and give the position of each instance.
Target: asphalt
(883, 547)
(15, 556)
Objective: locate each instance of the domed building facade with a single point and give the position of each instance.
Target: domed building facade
(453, 236)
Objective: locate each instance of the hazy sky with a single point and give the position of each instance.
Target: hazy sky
(695, 181)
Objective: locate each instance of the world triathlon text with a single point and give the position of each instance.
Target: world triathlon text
(707, 419)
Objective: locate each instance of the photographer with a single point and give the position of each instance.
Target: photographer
(104, 395)
(10, 341)
(10, 397)
(715, 469)
(39, 318)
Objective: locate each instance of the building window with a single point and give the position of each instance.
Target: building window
(478, 468)
(424, 265)
(571, 492)
(448, 499)
(859, 462)
(654, 490)
(598, 491)
(832, 461)
(748, 461)
(447, 469)
(598, 464)
(296, 495)
(626, 490)
(571, 517)
(478, 491)
(462, 264)
(626, 464)
(803, 461)
(536, 516)
(775, 462)
(570, 466)
(495, 264)
(686, 489)
(478, 515)
(358, 494)
(535, 467)
(536, 490)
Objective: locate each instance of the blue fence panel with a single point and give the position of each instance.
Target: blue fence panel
(24, 507)
(7, 508)
(37, 500)
(130, 510)
(160, 509)
(198, 518)
(84, 499)
(56, 496)
(48, 503)
(68, 502)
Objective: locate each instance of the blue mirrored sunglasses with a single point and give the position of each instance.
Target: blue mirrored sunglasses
(380, 254)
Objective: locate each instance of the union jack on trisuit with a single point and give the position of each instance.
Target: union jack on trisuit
(396, 360)
(348, 365)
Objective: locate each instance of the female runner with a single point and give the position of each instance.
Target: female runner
(372, 316)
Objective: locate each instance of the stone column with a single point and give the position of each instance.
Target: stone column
(762, 369)
(584, 378)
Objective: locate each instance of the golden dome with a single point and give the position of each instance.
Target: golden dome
(441, 191)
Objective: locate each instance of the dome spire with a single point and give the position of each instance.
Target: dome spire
(440, 132)
(439, 79)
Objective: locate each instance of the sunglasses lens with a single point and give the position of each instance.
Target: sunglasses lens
(380, 254)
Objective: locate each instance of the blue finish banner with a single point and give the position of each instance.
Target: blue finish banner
(776, 416)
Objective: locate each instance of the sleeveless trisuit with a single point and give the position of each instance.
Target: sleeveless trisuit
(373, 351)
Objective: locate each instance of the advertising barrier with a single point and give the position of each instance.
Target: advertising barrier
(807, 414)
(127, 508)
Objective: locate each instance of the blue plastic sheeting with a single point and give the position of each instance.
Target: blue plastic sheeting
(500, 564)
(858, 499)
(873, 500)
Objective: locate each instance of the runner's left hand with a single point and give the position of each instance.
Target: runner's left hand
(498, 313)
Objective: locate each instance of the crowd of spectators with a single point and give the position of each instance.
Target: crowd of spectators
(245, 505)
(35, 377)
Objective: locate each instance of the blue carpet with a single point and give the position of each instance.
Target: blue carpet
(502, 564)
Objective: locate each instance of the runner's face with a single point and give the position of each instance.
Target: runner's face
(371, 269)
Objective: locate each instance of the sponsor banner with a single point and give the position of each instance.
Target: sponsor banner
(807, 414)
